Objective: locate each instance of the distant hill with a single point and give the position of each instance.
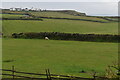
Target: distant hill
(61, 14)
(71, 12)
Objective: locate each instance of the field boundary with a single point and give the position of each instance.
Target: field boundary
(68, 36)
(38, 19)
(30, 15)
(68, 19)
(47, 76)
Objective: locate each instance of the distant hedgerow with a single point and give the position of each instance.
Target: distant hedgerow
(22, 19)
(69, 36)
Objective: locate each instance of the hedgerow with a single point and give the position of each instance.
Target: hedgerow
(69, 36)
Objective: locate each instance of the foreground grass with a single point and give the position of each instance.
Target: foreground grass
(51, 25)
(61, 57)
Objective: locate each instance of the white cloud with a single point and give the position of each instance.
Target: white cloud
(60, 0)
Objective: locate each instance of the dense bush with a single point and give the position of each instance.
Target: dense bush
(69, 36)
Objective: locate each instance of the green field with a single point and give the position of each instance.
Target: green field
(61, 57)
(57, 14)
(11, 16)
(63, 15)
(56, 25)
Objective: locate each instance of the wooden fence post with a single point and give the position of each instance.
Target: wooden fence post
(49, 74)
(13, 73)
(94, 75)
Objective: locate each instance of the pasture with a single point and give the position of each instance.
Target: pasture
(56, 25)
(64, 15)
(61, 57)
(11, 16)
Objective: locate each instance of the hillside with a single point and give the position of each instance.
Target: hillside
(55, 14)
(60, 56)
(52, 24)
(59, 14)
(71, 12)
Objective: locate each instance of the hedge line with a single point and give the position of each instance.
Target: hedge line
(74, 19)
(69, 19)
(69, 36)
(15, 13)
(21, 19)
(36, 18)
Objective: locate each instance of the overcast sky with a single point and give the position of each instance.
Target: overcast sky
(59, 0)
(89, 8)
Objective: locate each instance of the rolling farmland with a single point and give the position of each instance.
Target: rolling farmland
(61, 57)
(51, 25)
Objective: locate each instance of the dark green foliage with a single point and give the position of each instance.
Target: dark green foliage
(69, 36)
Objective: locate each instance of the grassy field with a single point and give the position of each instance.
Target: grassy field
(63, 15)
(11, 16)
(57, 14)
(61, 57)
(51, 25)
